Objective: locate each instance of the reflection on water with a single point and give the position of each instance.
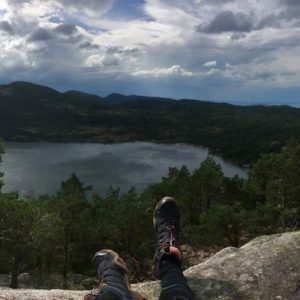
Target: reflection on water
(40, 167)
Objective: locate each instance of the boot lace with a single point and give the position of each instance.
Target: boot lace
(167, 235)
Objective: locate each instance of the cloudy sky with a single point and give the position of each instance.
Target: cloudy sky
(239, 51)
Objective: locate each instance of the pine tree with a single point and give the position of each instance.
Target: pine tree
(1, 173)
(70, 206)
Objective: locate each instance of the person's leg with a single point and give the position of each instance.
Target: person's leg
(113, 275)
(173, 282)
(167, 258)
(112, 272)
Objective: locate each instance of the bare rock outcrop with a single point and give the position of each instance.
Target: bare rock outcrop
(266, 268)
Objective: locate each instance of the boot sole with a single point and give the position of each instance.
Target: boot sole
(160, 203)
(115, 258)
(118, 261)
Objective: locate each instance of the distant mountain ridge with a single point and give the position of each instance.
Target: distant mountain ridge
(31, 112)
(29, 88)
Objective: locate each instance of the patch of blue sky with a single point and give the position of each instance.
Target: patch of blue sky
(56, 20)
(65, 20)
(3, 12)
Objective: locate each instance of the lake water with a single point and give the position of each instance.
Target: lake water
(38, 168)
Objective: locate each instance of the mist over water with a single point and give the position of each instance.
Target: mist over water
(39, 168)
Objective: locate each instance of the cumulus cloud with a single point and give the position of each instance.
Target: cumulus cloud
(232, 42)
(85, 10)
(6, 27)
(278, 70)
(292, 10)
(18, 2)
(228, 21)
(98, 6)
(175, 70)
(291, 2)
(66, 29)
(211, 63)
(88, 46)
(40, 34)
(122, 50)
(237, 36)
(216, 2)
(102, 61)
(272, 20)
(110, 60)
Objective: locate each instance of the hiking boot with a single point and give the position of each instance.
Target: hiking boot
(166, 222)
(113, 275)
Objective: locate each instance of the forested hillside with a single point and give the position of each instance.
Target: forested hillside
(30, 112)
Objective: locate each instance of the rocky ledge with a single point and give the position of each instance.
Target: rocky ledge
(268, 268)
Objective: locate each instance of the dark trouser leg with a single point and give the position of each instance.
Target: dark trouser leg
(173, 282)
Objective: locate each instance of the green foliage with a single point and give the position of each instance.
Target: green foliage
(17, 219)
(207, 182)
(70, 208)
(123, 222)
(275, 179)
(1, 173)
(238, 133)
(229, 221)
(224, 224)
(265, 219)
(54, 236)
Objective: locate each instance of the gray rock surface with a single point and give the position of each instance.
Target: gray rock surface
(266, 268)
(5, 280)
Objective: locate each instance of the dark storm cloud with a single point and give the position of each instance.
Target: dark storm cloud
(239, 22)
(271, 20)
(66, 29)
(40, 34)
(88, 46)
(6, 26)
(291, 13)
(228, 21)
(213, 2)
(291, 2)
(121, 50)
(292, 10)
(237, 36)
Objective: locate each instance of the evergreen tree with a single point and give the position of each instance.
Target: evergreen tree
(44, 236)
(207, 183)
(275, 179)
(1, 173)
(16, 222)
(224, 225)
(70, 206)
(227, 222)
